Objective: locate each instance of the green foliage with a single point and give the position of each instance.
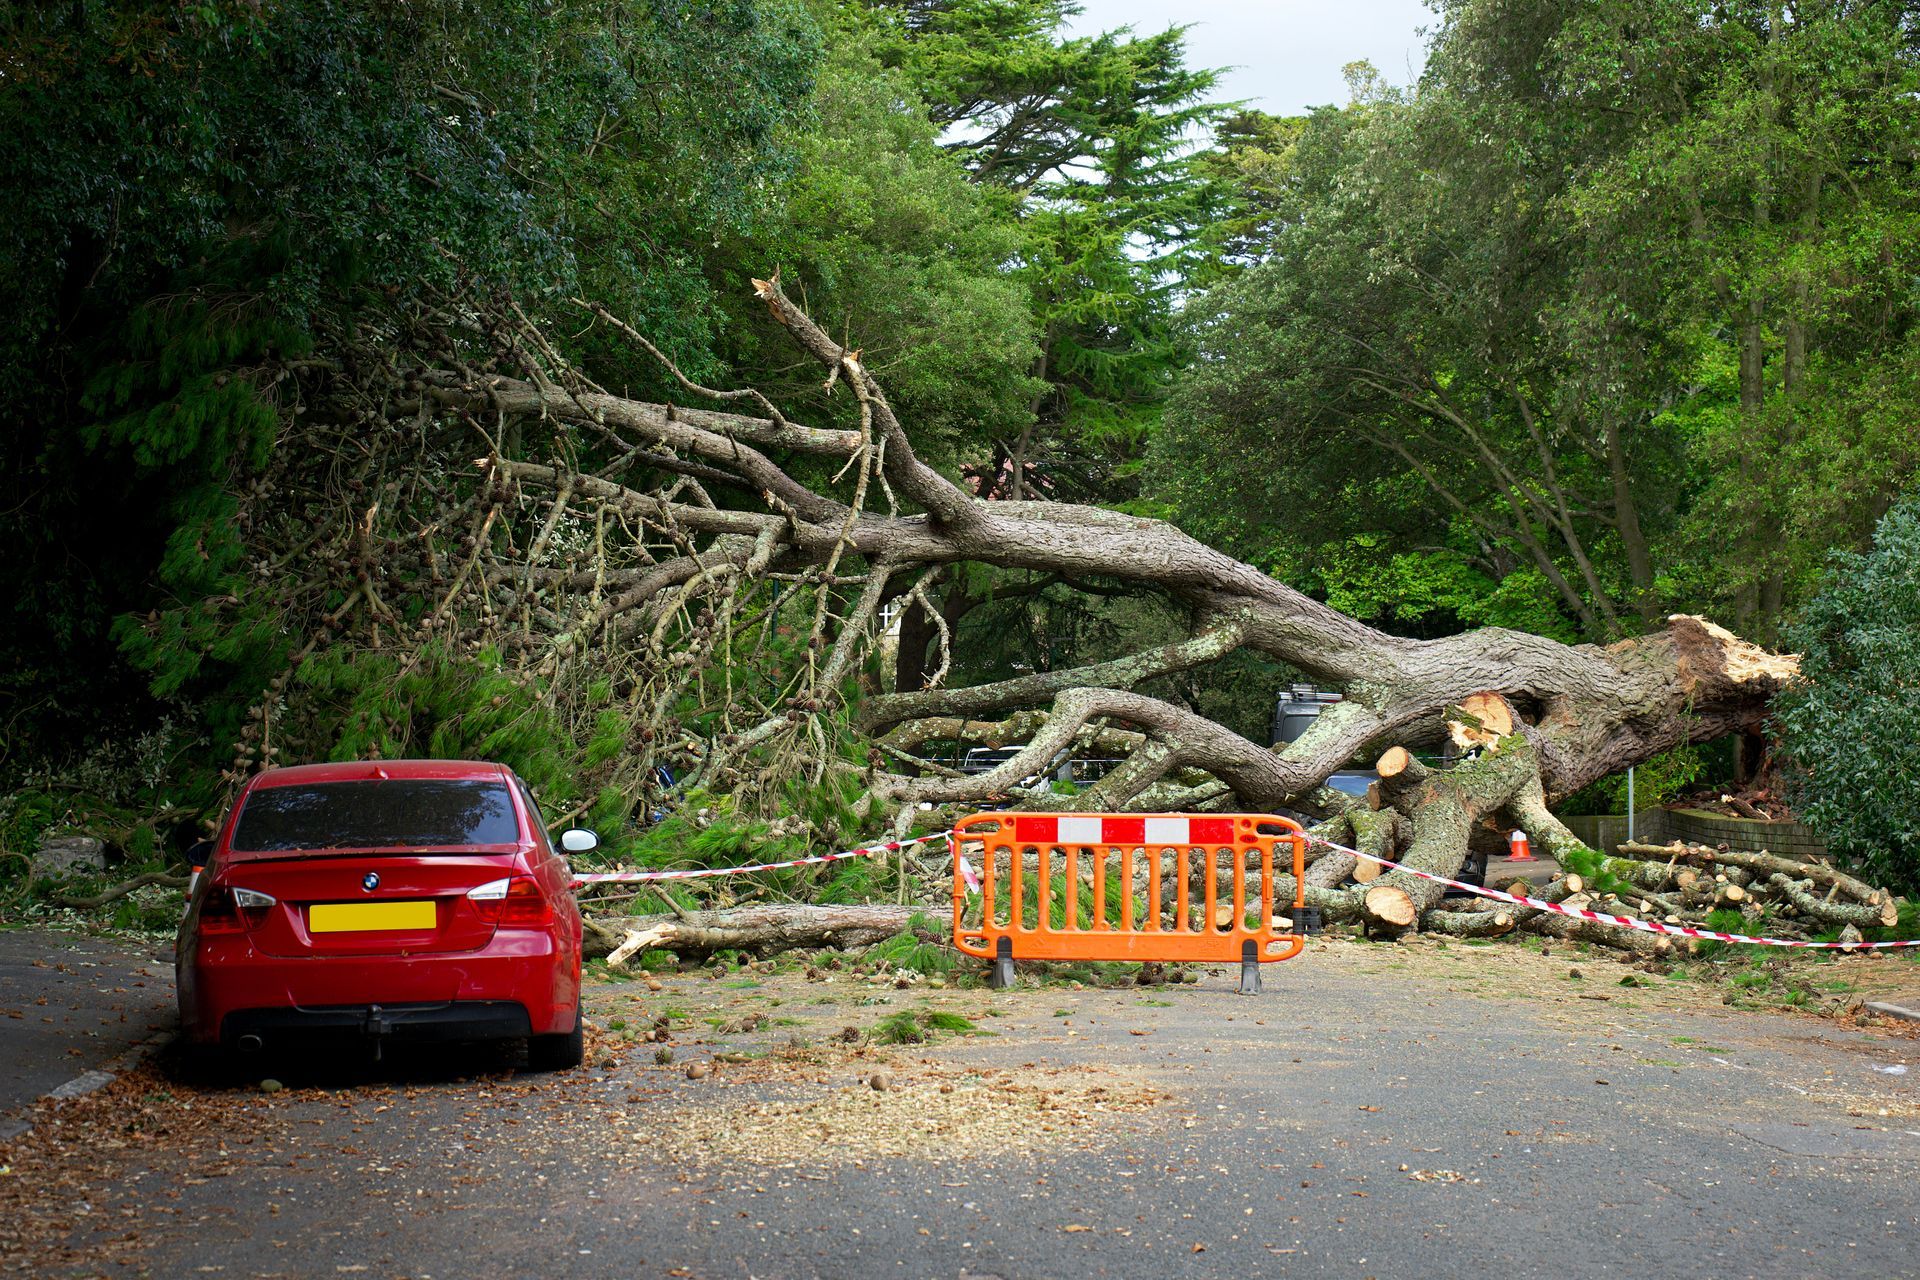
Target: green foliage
(1665, 777)
(899, 1028)
(1589, 865)
(892, 244)
(197, 192)
(430, 703)
(1639, 327)
(1089, 139)
(922, 947)
(918, 1028)
(1722, 920)
(1848, 725)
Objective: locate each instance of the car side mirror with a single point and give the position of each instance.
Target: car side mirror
(578, 841)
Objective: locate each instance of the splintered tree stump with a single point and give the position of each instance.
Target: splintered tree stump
(1479, 720)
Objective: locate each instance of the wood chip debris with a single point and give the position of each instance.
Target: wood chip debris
(924, 1112)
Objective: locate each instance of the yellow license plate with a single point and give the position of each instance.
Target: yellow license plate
(367, 917)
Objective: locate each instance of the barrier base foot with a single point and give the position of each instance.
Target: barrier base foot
(1002, 975)
(1249, 971)
(1307, 920)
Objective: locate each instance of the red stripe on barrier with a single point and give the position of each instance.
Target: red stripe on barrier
(1210, 830)
(1036, 828)
(1123, 830)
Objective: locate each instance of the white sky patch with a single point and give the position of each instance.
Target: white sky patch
(1285, 55)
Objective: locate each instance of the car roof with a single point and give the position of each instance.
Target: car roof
(380, 771)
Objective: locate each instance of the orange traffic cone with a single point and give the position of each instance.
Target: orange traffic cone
(1517, 846)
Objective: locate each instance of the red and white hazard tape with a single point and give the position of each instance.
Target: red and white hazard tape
(643, 877)
(1067, 828)
(1084, 829)
(1625, 922)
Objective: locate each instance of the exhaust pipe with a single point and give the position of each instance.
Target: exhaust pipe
(248, 1044)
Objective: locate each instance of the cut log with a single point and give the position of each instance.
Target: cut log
(762, 930)
(1443, 813)
(1764, 864)
(1390, 909)
(1395, 761)
(1495, 921)
(1471, 924)
(1642, 875)
(1574, 929)
(1862, 914)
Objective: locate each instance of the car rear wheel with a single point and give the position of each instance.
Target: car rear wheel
(558, 1053)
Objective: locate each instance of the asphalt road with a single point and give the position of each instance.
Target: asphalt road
(70, 1005)
(1378, 1112)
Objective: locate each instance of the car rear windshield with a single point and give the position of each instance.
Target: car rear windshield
(402, 812)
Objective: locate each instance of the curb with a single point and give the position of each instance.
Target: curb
(91, 1080)
(1893, 1010)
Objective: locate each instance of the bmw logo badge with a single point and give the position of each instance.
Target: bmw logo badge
(370, 881)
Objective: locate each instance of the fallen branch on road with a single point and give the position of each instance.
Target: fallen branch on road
(761, 930)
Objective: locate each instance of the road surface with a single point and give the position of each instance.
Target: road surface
(1412, 1110)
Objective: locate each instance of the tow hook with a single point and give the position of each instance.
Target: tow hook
(376, 1027)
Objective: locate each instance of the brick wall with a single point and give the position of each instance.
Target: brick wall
(1607, 832)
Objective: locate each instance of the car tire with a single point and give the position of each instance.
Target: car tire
(561, 1052)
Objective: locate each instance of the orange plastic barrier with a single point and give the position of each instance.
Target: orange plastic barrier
(1094, 913)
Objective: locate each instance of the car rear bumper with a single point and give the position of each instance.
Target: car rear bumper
(226, 978)
(411, 1023)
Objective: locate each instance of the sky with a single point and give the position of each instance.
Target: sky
(1286, 55)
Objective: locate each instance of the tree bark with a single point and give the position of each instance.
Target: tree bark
(762, 930)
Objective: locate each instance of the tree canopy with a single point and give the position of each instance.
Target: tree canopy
(1608, 317)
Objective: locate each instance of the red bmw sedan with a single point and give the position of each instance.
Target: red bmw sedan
(414, 900)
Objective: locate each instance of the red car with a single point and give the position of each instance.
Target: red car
(413, 900)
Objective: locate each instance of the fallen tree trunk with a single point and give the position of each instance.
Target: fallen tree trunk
(760, 930)
(693, 526)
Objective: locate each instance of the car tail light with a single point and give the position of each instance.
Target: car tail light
(231, 910)
(515, 901)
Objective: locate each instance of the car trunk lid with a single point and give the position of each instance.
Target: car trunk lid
(328, 904)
